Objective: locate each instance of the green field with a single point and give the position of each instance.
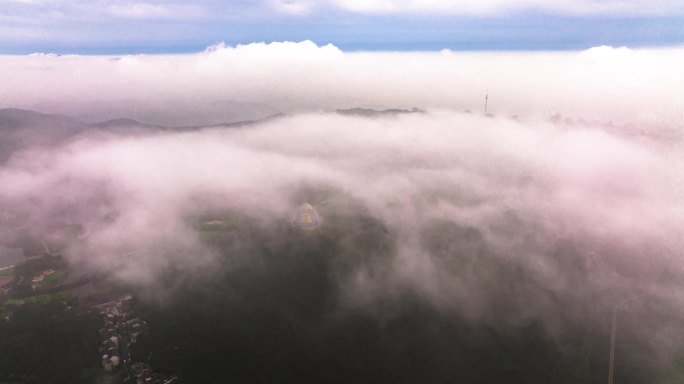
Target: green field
(224, 224)
(41, 299)
(55, 277)
(6, 272)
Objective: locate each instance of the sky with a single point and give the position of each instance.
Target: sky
(118, 27)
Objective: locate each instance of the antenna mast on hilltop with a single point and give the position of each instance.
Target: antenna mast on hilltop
(486, 100)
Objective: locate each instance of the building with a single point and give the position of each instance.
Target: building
(306, 217)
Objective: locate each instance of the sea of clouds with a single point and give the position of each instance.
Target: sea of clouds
(587, 204)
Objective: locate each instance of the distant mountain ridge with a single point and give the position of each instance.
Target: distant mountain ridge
(369, 112)
(14, 118)
(180, 113)
(123, 121)
(21, 129)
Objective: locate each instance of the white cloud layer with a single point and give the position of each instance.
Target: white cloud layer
(139, 10)
(603, 83)
(501, 7)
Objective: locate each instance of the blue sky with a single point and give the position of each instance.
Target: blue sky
(116, 27)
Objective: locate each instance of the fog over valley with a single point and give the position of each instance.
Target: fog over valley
(447, 243)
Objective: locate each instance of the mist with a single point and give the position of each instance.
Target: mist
(556, 214)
